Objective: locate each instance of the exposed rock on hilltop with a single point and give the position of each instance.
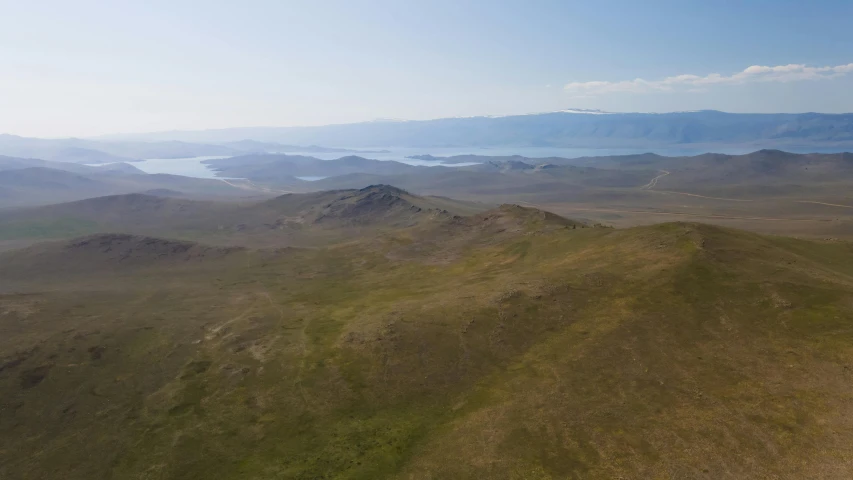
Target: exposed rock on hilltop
(377, 204)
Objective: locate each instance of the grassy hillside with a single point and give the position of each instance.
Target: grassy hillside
(509, 344)
(293, 219)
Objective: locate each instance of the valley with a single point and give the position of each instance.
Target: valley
(484, 317)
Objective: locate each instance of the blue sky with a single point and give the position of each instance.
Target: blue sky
(87, 68)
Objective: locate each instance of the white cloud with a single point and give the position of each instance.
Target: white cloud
(755, 73)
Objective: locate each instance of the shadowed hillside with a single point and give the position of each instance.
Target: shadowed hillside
(293, 219)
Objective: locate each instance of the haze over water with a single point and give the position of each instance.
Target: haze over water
(193, 166)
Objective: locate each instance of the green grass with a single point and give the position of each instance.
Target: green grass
(47, 229)
(521, 354)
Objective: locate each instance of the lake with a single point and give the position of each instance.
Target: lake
(192, 167)
(188, 167)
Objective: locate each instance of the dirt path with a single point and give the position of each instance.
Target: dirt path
(679, 214)
(272, 304)
(746, 200)
(701, 215)
(233, 185)
(823, 203)
(250, 185)
(653, 182)
(303, 346)
(703, 196)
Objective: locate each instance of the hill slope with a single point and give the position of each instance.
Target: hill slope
(291, 219)
(514, 345)
(31, 182)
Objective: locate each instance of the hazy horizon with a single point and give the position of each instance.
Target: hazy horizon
(88, 69)
(107, 136)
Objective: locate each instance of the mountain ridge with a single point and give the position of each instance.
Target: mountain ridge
(563, 129)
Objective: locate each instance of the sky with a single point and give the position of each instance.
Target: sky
(86, 68)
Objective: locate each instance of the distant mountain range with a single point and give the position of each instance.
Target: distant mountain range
(568, 128)
(112, 151)
(699, 130)
(27, 182)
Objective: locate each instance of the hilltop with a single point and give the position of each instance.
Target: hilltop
(291, 219)
(768, 191)
(504, 344)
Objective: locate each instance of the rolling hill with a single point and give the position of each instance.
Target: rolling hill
(511, 343)
(757, 173)
(28, 182)
(291, 219)
(14, 163)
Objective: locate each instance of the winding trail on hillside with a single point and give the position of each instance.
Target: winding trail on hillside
(703, 196)
(303, 346)
(705, 215)
(679, 214)
(824, 203)
(253, 186)
(273, 305)
(229, 183)
(653, 182)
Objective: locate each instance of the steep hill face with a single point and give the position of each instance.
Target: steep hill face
(532, 349)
